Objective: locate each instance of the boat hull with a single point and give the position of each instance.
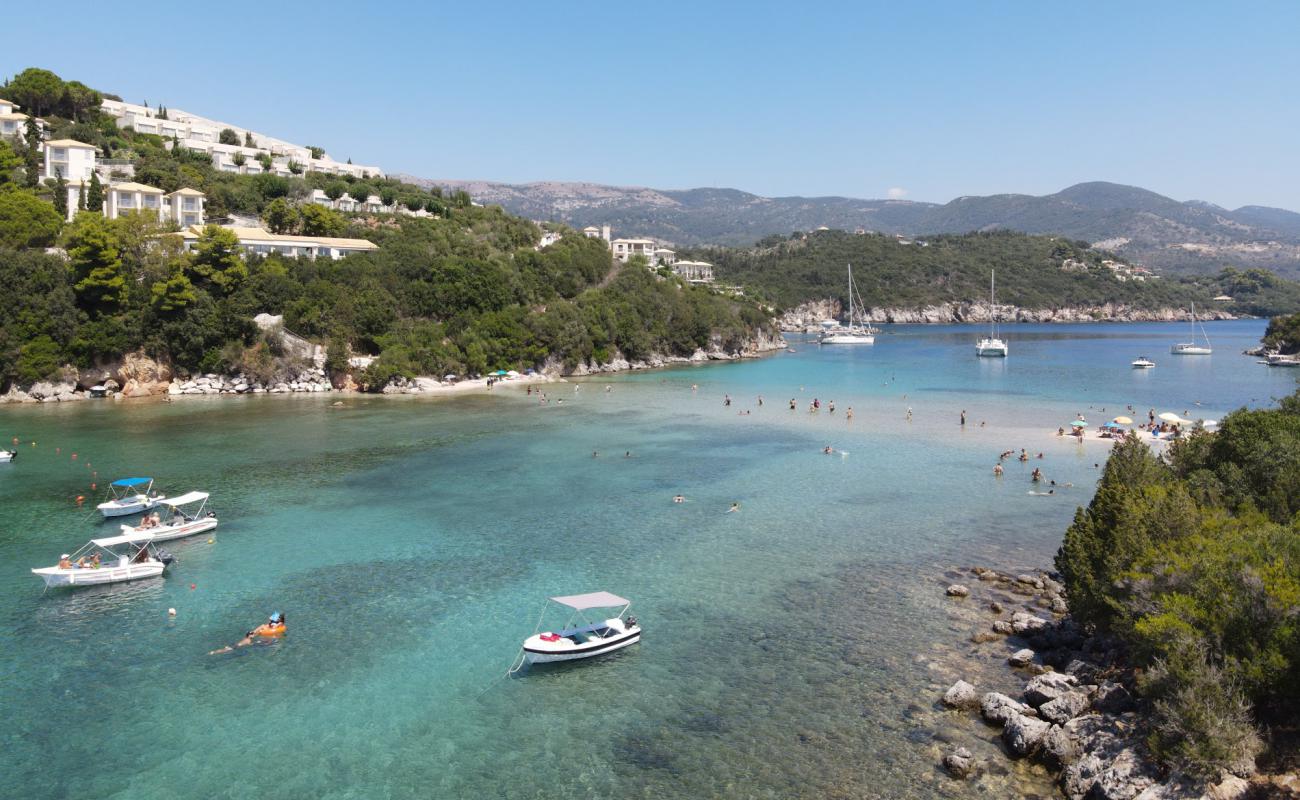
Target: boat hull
(991, 350)
(538, 653)
(165, 533)
(1190, 350)
(128, 506)
(847, 338)
(55, 577)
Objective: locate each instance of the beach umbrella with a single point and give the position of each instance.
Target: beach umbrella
(1211, 423)
(501, 372)
(1115, 426)
(1170, 416)
(1123, 421)
(1078, 423)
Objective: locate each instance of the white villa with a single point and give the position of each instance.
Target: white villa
(13, 123)
(258, 241)
(75, 162)
(623, 249)
(694, 271)
(203, 134)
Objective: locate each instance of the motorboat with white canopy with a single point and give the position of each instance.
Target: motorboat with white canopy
(582, 636)
(130, 496)
(113, 559)
(178, 522)
(7, 455)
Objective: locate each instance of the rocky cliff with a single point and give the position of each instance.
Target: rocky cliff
(808, 316)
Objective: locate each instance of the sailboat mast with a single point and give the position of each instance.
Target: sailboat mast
(850, 296)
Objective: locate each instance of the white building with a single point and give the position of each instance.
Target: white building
(623, 249)
(694, 271)
(185, 207)
(123, 197)
(258, 241)
(663, 257)
(73, 160)
(12, 123)
(548, 238)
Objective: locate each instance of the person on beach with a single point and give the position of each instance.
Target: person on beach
(272, 629)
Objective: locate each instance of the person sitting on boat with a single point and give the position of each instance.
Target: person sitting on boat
(65, 561)
(142, 556)
(93, 563)
(273, 628)
(178, 517)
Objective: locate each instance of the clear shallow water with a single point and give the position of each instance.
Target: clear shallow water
(792, 649)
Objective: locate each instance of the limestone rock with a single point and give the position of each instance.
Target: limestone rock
(1024, 622)
(1003, 627)
(1047, 687)
(1112, 698)
(960, 763)
(1064, 708)
(997, 708)
(957, 590)
(1024, 735)
(1021, 657)
(1059, 747)
(961, 695)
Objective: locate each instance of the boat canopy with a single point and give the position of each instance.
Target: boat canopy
(582, 602)
(185, 499)
(113, 541)
(132, 481)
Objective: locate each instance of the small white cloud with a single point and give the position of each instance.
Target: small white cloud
(896, 193)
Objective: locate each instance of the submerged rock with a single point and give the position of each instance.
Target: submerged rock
(1024, 622)
(960, 763)
(1021, 658)
(961, 695)
(957, 590)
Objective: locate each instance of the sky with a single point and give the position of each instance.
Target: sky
(917, 100)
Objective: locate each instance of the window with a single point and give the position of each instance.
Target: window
(189, 204)
(150, 201)
(125, 200)
(60, 154)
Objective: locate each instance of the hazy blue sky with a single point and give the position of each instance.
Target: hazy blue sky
(927, 100)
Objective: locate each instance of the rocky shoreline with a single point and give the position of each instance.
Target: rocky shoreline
(808, 316)
(1078, 713)
(138, 376)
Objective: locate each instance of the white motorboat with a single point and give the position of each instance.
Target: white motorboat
(1279, 360)
(1142, 362)
(129, 497)
(581, 636)
(114, 559)
(993, 346)
(7, 455)
(853, 332)
(177, 523)
(1193, 348)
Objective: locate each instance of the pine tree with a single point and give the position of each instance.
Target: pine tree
(95, 194)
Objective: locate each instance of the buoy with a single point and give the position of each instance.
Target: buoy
(210, 541)
(92, 487)
(80, 499)
(191, 586)
(171, 612)
(74, 455)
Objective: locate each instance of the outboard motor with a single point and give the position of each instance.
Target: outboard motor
(166, 557)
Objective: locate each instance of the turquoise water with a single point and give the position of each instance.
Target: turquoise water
(792, 649)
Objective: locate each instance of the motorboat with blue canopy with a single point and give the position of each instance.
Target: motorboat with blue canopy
(584, 634)
(186, 515)
(130, 496)
(113, 559)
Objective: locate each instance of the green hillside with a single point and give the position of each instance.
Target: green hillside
(462, 291)
(951, 268)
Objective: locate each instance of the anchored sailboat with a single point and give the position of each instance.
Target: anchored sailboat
(992, 347)
(852, 333)
(1193, 348)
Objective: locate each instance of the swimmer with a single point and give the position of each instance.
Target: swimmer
(848, 414)
(677, 498)
(909, 413)
(627, 454)
(726, 400)
(273, 628)
(828, 450)
(963, 417)
(595, 454)
(997, 470)
(760, 401)
(734, 507)
(792, 404)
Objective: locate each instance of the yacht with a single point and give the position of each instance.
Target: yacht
(852, 333)
(993, 346)
(1193, 348)
(1279, 360)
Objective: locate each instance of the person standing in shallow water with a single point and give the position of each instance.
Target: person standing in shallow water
(963, 417)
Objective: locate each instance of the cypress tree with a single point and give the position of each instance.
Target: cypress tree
(32, 138)
(60, 194)
(95, 194)
(81, 196)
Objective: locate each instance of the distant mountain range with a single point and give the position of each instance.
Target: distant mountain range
(1138, 224)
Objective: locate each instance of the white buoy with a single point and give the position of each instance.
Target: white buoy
(171, 612)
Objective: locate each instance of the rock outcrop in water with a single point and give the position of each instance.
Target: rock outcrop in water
(1076, 713)
(808, 316)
